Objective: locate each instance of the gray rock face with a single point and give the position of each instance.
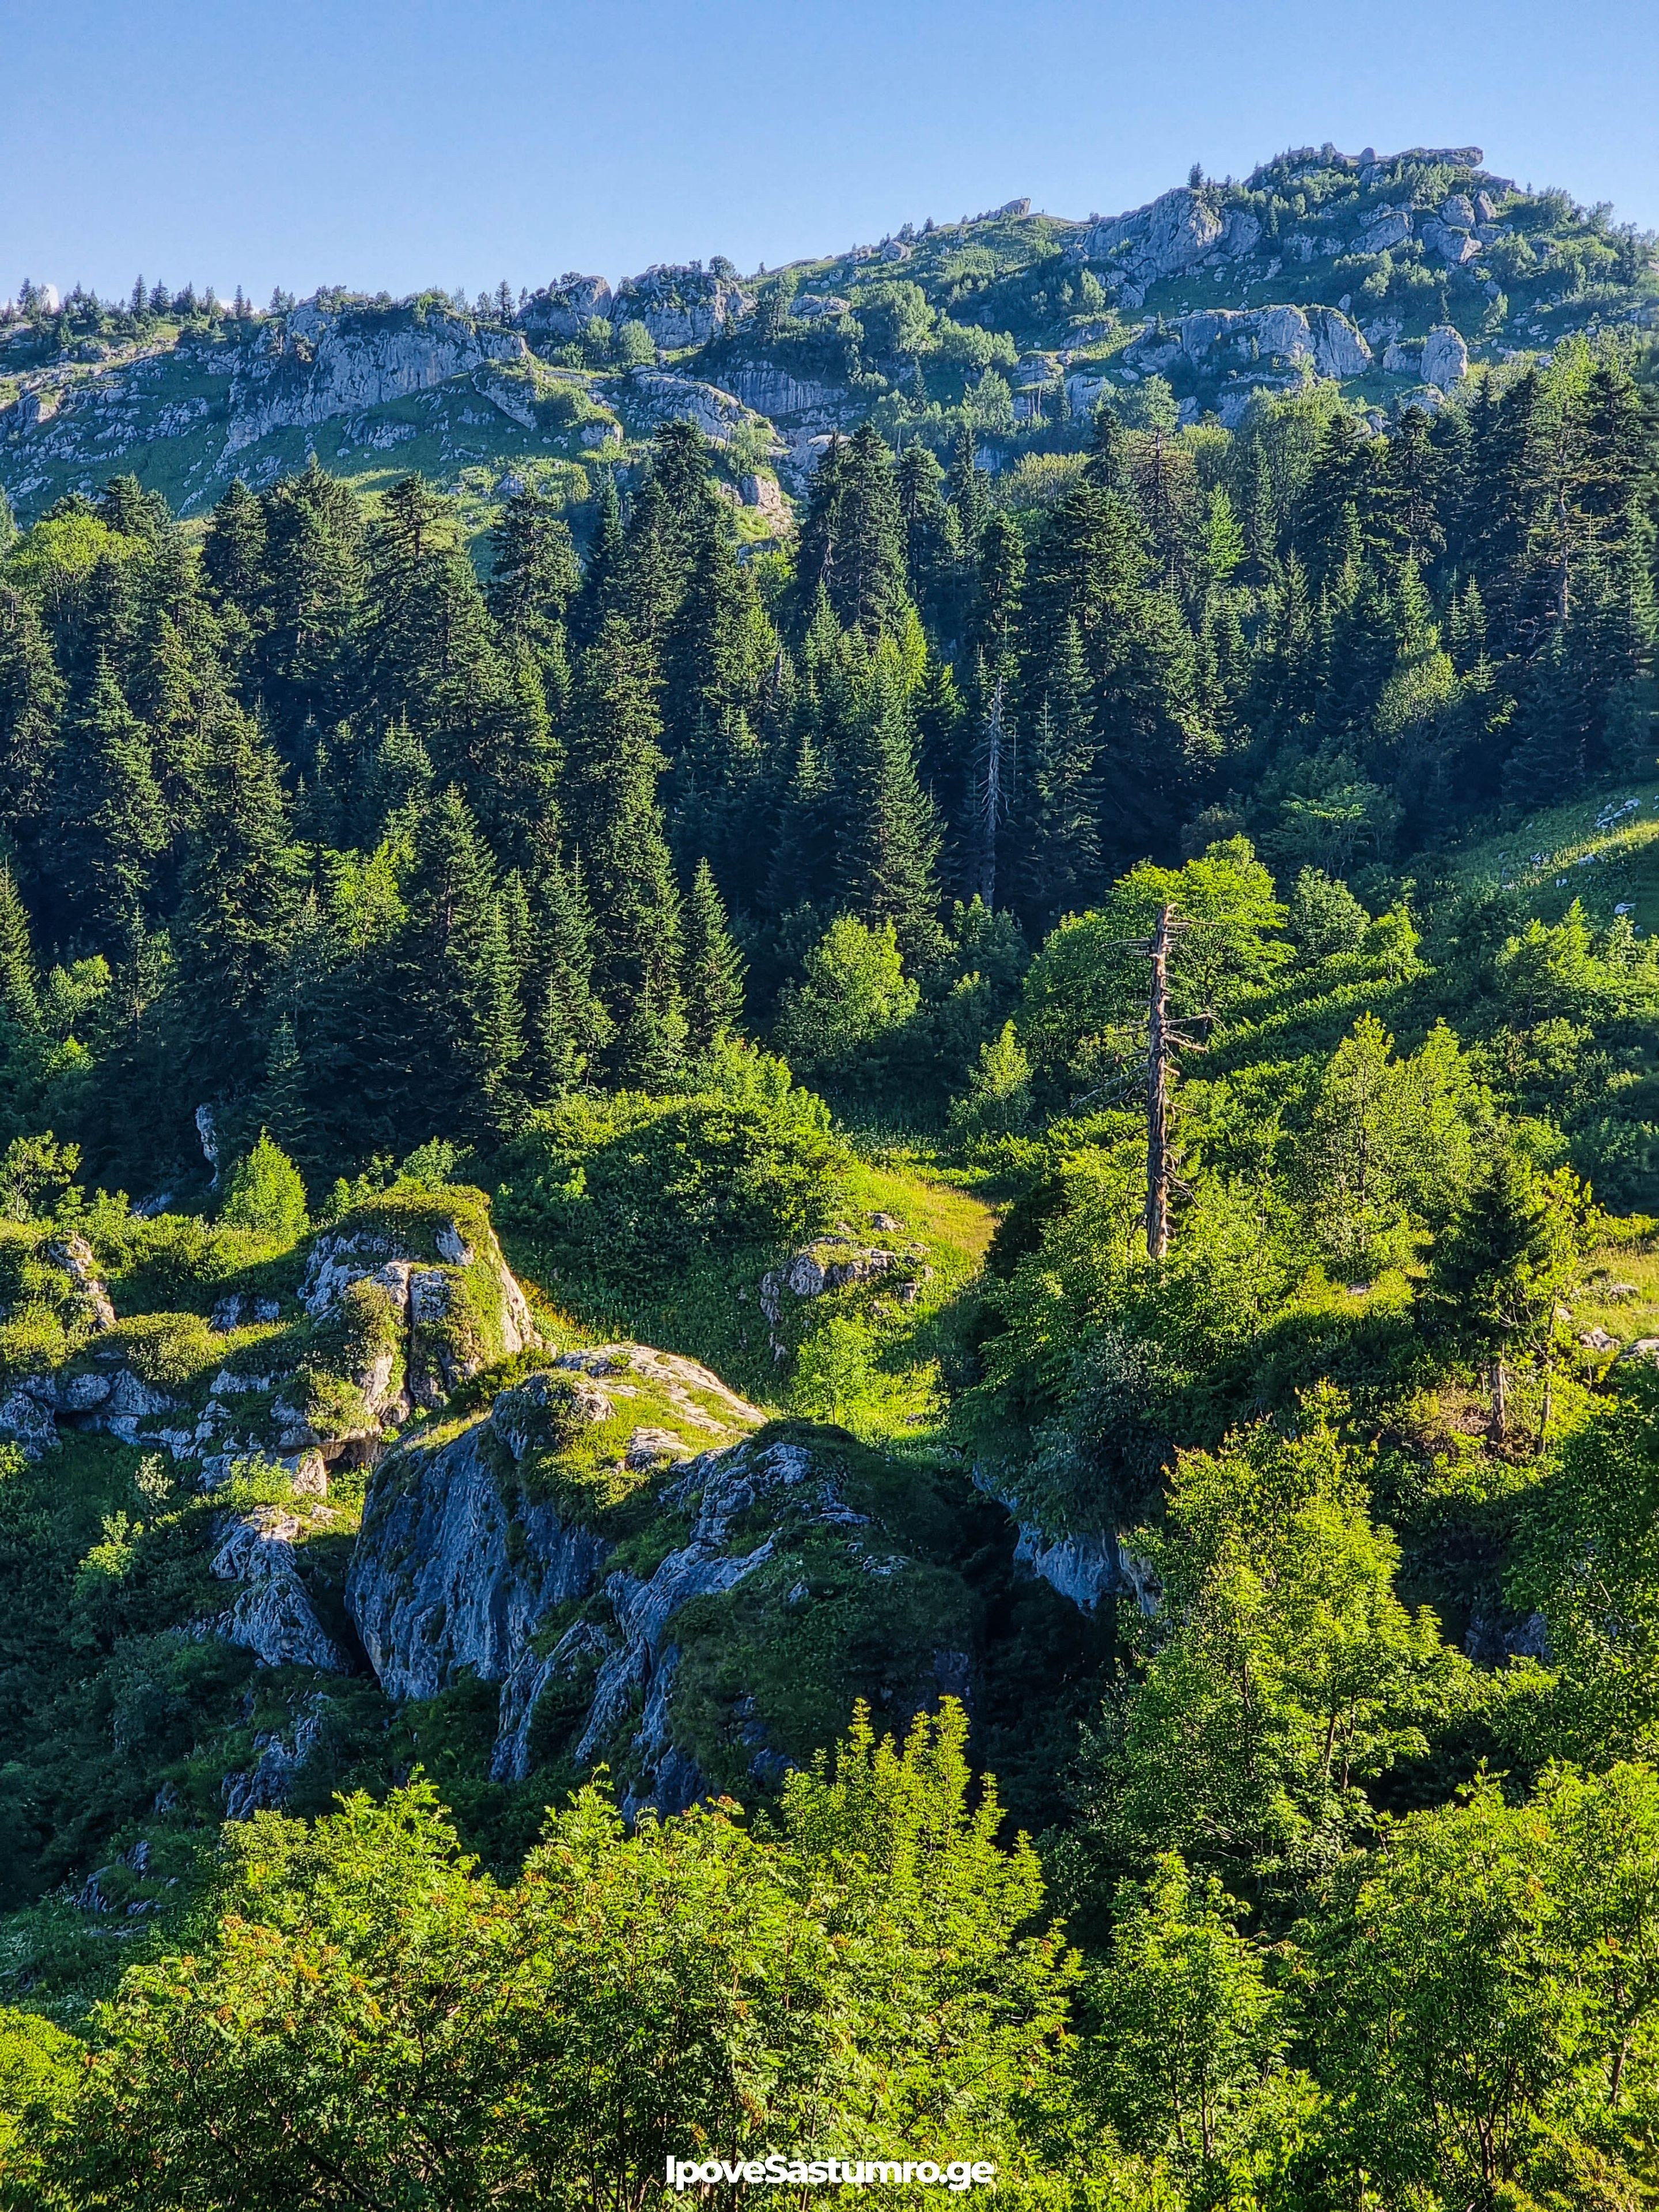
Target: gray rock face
(420, 1296)
(1228, 338)
(446, 1574)
(1087, 1568)
(680, 306)
(320, 365)
(1457, 211)
(272, 1615)
(818, 307)
(639, 1654)
(75, 1256)
(662, 396)
(564, 310)
(444, 1577)
(772, 390)
(1445, 357)
(1173, 233)
(268, 1785)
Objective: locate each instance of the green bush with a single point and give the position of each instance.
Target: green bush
(265, 1192)
(624, 1194)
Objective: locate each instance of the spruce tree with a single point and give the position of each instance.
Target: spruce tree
(242, 888)
(533, 573)
(597, 597)
(455, 1062)
(1060, 821)
(571, 1029)
(19, 993)
(306, 660)
(713, 967)
(890, 837)
(32, 697)
(618, 829)
(111, 823)
(966, 489)
(235, 550)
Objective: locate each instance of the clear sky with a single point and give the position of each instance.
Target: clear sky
(398, 143)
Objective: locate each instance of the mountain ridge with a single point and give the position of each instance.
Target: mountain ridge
(1399, 276)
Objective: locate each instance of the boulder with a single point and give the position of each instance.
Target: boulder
(831, 1264)
(25, 1422)
(1340, 349)
(1445, 357)
(1457, 211)
(767, 497)
(1454, 247)
(1389, 227)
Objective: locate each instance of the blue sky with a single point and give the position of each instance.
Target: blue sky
(373, 144)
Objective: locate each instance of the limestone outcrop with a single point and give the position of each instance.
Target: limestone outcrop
(563, 311)
(319, 364)
(272, 1615)
(681, 304)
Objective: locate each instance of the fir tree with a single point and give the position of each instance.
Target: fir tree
(1060, 823)
(890, 841)
(571, 1028)
(618, 829)
(713, 967)
(32, 697)
(20, 993)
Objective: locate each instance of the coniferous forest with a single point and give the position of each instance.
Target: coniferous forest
(620, 1539)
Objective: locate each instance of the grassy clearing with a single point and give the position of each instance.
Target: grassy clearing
(1575, 852)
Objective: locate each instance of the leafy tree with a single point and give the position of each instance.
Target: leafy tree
(1324, 916)
(853, 993)
(263, 1192)
(1283, 1672)
(1185, 2063)
(863, 1983)
(1479, 1977)
(1390, 1147)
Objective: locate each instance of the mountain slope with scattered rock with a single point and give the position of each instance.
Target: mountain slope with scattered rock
(1395, 276)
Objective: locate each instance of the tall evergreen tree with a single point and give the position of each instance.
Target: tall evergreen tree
(32, 698)
(889, 840)
(1059, 823)
(617, 825)
(713, 967)
(570, 1028)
